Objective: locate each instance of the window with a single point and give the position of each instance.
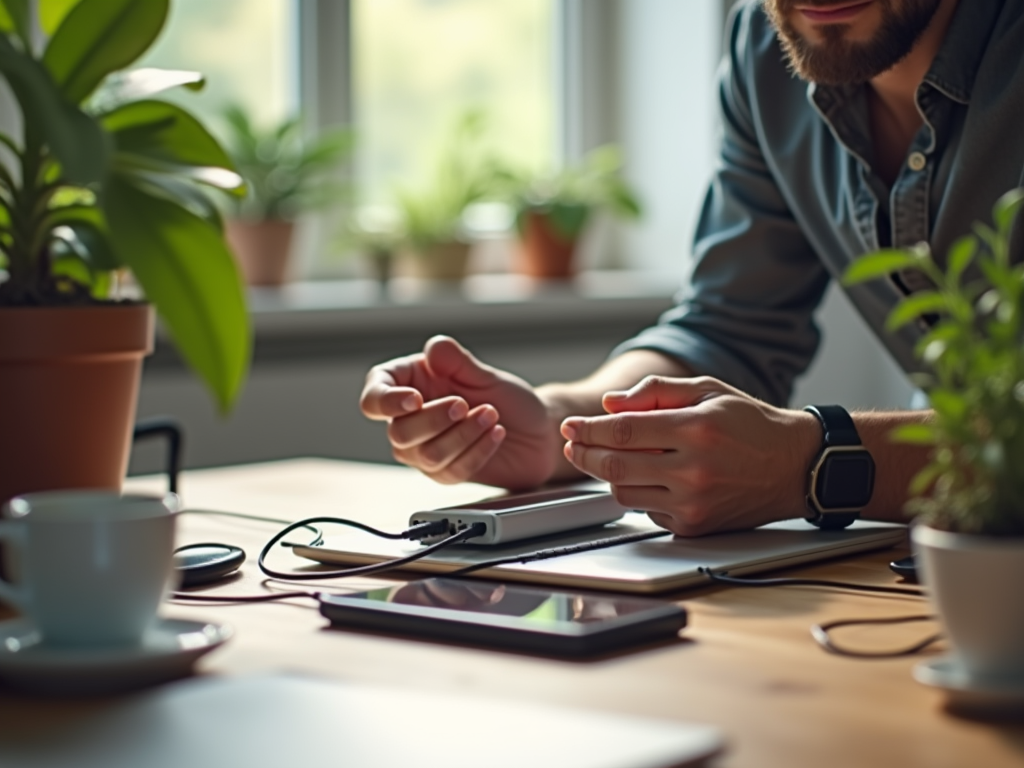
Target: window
(246, 49)
(553, 77)
(419, 64)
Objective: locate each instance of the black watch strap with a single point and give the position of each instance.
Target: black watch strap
(837, 423)
(841, 442)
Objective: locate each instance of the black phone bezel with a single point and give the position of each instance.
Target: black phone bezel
(662, 621)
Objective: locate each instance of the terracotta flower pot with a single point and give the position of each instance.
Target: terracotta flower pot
(441, 261)
(69, 379)
(543, 252)
(262, 249)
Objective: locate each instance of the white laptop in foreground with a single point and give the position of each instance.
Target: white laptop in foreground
(277, 721)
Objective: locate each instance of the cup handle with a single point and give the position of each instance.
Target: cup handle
(13, 533)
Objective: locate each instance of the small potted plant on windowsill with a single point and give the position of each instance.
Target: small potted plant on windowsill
(430, 219)
(969, 500)
(103, 180)
(286, 175)
(553, 211)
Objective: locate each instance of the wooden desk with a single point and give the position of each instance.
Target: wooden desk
(748, 664)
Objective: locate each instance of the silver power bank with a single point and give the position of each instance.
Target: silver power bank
(527, 515)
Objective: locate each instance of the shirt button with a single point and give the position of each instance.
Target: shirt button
(917, 161)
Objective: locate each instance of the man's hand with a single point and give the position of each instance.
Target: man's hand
(698, 455)
(455, 418)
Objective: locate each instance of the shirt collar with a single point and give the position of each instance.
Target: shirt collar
(956, 64)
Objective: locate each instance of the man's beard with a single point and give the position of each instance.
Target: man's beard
(837, 61)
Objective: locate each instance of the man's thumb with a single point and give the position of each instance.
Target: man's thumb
(446, 358)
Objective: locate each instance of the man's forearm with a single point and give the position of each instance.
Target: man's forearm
(583, 398)
(895, 463)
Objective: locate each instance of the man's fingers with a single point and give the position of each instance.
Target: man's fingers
(387, 394)
(670, 523)
(433, 419)
(662, 392)
(435, 455)
(649, 430)
(619, 467)
(448, 359)
(473, 459)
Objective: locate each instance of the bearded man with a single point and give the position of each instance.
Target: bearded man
(848, 125)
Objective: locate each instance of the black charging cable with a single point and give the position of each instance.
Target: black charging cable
(724, 578)
(416, 532)
(822, 632)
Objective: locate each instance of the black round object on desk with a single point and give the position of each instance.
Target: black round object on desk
(199, 564)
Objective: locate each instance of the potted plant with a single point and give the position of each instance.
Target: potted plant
(103, 180)
(371, 232)
(551, 212)
(969, 500)
(430, 219)
(286, 175)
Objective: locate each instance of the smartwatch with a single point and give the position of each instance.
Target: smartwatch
(842, 475)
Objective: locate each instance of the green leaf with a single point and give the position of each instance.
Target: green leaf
(1006, 209)
(914, 306)
(96, 241)
(99, 37)
(128, 164)
(878, 264)
(137, 84)
(163, 131)
(950, 404)
(924, 479)
(960, 255)
(90, 234)
(14, 17)
(76, 140)
(190, 276)
(179, 191)
(72, 267)
(53, 12)
(914, 434)
(567, 221)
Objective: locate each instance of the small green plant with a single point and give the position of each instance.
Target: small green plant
(465, 173)
(568, 198)
(974, 482)
(105, 178)
(286, 173)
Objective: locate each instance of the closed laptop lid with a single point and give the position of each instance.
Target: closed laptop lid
(275, 721)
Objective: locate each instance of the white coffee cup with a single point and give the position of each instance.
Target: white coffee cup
(90, 567)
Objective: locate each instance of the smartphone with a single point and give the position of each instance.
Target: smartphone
(510, 617)
(527, 515)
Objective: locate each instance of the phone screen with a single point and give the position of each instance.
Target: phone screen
(538, 606)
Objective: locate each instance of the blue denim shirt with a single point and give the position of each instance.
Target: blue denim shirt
(794, 198)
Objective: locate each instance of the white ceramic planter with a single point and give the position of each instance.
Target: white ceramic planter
(976, 585)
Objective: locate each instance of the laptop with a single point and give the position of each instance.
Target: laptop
(274, 721)
(636, 565)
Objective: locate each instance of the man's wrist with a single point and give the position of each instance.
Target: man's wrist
(560, 402)
(806, 443)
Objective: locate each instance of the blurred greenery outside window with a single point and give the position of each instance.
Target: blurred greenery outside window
(248, 50)
(416, 66)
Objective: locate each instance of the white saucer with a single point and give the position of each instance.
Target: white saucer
(996, 695)
(168, 651)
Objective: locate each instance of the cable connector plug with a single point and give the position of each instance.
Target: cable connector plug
(426, 530)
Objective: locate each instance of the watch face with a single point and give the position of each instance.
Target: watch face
(845, 480)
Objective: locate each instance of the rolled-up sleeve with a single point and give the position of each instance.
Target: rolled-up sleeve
(746, 312)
